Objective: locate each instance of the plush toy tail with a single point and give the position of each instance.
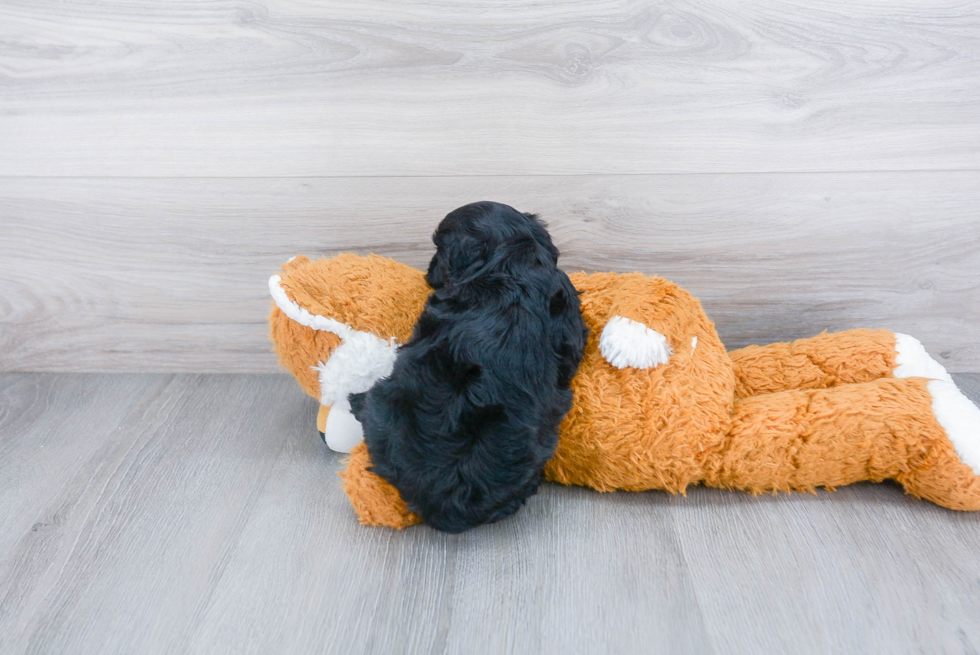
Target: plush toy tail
(923, 433)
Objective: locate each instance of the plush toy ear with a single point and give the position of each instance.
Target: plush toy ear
(296, 262)
(375, 501)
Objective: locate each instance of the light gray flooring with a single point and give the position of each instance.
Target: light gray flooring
(199, 513)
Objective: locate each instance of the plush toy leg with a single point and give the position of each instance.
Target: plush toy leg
(827, 360)
(375, 501)
(925, 434)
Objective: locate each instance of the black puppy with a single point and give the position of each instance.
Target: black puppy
(469, 416)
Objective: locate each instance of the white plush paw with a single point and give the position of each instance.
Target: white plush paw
(912, 360)
(956, 413)
(342, 431)
(960, 419)
(626, 343)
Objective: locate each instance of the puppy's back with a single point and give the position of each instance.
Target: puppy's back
(469, 416)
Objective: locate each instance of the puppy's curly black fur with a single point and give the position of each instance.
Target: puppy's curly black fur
(469, 416)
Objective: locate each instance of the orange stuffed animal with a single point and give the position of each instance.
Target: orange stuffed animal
(659, 403)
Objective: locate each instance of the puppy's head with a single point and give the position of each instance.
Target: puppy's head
(467, 237)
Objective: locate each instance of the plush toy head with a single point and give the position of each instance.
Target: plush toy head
(335, 324)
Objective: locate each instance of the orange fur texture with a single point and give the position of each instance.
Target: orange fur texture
(819, 412)
(375, 501)
(373, 294)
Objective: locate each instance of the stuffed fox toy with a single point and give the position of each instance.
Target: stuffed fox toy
(659, 402)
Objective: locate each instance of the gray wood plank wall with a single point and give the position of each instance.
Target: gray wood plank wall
(799, 166)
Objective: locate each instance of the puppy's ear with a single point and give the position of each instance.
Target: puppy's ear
(568, 331)
(541, 236)
(457, 254)
(438, 272)
(459, 374)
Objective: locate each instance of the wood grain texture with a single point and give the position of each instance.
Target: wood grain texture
(127, 544)
(201, 514)
(530, 585)
(293, 88)
(865, 569)
(40, 417)
(170, 274)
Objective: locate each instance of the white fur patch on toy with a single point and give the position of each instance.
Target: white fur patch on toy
(956, 413)
(342, 431)
(626, 343)
(355, 365)
(960, 419)
(299, 314)
(912, 360)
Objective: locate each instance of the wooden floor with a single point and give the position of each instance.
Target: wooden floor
(200, 513)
